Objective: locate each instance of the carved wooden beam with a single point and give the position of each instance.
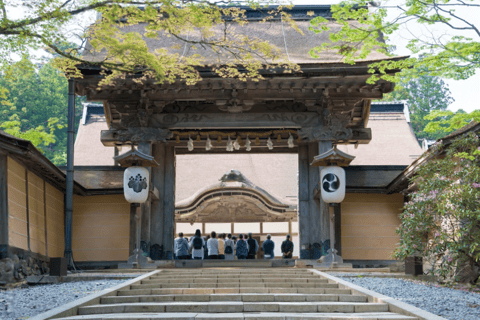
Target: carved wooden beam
(298, 94)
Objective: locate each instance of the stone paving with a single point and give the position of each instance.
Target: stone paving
(253, 294)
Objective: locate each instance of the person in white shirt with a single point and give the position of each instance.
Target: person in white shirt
(196, 245)
(212, 246)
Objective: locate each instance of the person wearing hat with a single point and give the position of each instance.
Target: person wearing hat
(287, 248)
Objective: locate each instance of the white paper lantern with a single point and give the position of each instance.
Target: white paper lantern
(332, 180)
(136, 184)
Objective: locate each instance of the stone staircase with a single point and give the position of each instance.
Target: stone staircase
(234, 294)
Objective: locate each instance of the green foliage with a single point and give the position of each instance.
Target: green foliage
(117, 45)
(360, 31)
(423, 95)
(441, 221)
(33, 106)
(447, 121)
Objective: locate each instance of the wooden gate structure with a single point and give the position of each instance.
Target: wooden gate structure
(326, 103)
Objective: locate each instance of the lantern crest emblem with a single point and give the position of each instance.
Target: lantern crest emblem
(137, 183)
(331, 182)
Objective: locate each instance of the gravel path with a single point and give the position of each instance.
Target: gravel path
(23, 303)
(445, 302)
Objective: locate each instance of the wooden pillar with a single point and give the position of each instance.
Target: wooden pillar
(303, 201)
(338, 228)
(315, 208)
(324, 213)
(4, 252)
(169, 202)
(232, 229)
(313, 215)
(133, 224)
(158, 180)
(146, 148)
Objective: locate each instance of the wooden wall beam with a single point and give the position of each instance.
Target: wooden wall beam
(4, 241)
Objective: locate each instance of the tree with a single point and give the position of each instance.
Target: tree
(49, 24)
(33, 106)
(423, 95)
(447, 121)
(441, 221)
(454, 53)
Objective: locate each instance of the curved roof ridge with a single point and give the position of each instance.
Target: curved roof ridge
(233, 179)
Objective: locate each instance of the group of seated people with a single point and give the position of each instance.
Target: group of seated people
(226, 247)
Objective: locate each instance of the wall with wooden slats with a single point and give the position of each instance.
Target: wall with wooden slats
(368, 226)
(17, 205)
(55, 221)
(101, 228)
(36, 212)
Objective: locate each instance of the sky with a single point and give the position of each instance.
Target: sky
(463, 91)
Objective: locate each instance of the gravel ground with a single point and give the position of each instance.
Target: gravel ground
(22, 303)
(445, 302)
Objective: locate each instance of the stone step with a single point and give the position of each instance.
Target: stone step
(245, 297)
(236, 285)
(237, 271)
(235, 307)
(244, 276)
(161, 291)
(246, 316)
(219, 280)
(235, 275)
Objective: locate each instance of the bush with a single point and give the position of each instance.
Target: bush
(441, 221)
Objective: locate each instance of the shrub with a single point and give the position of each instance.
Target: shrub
(441, 220)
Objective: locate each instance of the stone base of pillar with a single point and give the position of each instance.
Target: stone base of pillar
(331, 260)
(138, 261)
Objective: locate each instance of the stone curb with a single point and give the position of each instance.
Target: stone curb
(393, 305)
(71, 308)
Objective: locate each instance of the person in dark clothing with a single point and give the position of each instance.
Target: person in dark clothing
(241, 248)
(205, 248)
(287, 248)
(268, 247)
(252, 247)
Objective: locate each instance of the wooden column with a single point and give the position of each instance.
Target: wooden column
(169, 202)
(315, 221)
(131, 240)
(338, 228)
(303, 201)
(157, 210)
(146, 148)
(324, 215)
(4, 252)
(313, 215)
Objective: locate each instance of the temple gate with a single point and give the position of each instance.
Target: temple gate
(325, 103)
